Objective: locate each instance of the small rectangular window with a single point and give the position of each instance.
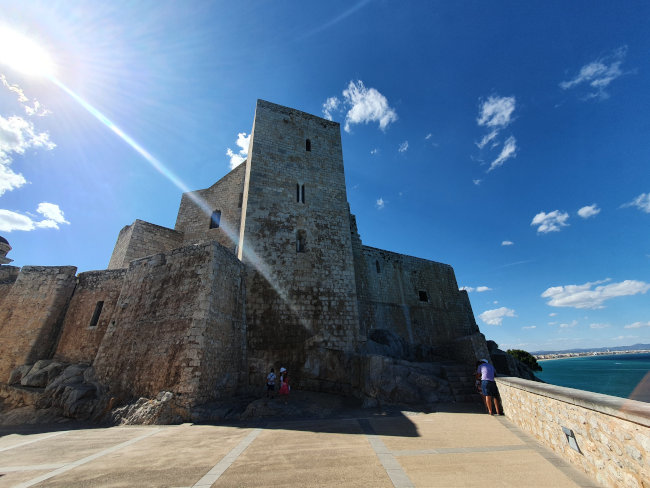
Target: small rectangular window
(303, 194)
(423, 296)
(298, 192)
(241, 200)
(96, 314)
(215, 220)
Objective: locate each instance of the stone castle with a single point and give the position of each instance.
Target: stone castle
(263, 268)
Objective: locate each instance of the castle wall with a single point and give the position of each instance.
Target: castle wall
(88, 315)
(32, 313)
(8, 276)
(415, 298)
(178, 326)
(196, 209)
(142, 239)
(295, 234)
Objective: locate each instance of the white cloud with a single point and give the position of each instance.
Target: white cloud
(552, 314)
(374, 151)
(366, 105)
(529, 327)
(642, 202)
(507, 243)
(487, 138)
(599, 74)
(478, 289)
(496, 112)
(637, 325)
(592, 295)
(589, 211)
(10, 221)
(569, 325)
(403, 147)
(477, 182)
(330, 105)
(509, 150)
(550, 222)
(598, 326)
(243, 142)
(380, 203)
(428, 136)
(33, 108)
(496, 316)
(16, 136)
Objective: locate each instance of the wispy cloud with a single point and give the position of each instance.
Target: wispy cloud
(236, 158)
(637, 325)
(374, 151)
(476, 182)
(598, 74)
(550, 222)
(507, 243)
(478, 289)
(598, 326)
(589, 211)
(592, 295)
(509, 150)
(380, 203)
(363, 105)
(642, 202)
(496, 112)
(32, 107)
(403, 147)
(528, 327)
(53, 217)
(428, 136)
(338, 18)
(569, 325)
(496, 316)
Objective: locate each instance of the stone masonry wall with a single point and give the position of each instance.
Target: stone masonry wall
(32, 313)
(8, 276)
(142, 239)
(415, 298)
(196, 209)
(81, 335)
(178, 326)
(295, 235)
(613, 434)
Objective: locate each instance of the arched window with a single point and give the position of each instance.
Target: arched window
(215, 220)
(301, 241)
(308, 145)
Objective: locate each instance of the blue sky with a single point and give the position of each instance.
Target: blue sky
(508, 139)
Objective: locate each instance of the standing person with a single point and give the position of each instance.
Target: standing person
(489, 386)
(270, 383)
(477, 384)
(284, 385)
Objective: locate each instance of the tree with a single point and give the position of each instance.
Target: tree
(525, 357)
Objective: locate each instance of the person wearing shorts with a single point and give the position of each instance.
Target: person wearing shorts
(489, 386)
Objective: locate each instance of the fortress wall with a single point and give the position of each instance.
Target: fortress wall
(611, 433)
(416, 298)
(177, 326)
(142, 239)
(226, 196)
(8, 276)
(83, 330)
(296, 295)
(32, 313)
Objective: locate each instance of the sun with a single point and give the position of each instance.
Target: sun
(22, 54)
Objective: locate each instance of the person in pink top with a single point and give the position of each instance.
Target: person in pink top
(489, 386)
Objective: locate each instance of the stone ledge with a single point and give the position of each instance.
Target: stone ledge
(630, 410)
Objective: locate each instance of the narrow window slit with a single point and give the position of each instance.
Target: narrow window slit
(96, 314)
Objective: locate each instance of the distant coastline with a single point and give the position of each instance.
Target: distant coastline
(565, 355)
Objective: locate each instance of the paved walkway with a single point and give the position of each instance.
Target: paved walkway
(443, 449)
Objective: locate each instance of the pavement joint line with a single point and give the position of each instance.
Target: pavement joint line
(33, 467)
(218, 469)
(33, 440)
(87, 459)
(461, 450)
(390, 464)
(570, 471)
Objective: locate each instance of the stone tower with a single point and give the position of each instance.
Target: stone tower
(295, 237)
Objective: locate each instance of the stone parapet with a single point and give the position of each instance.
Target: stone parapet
(612, 434)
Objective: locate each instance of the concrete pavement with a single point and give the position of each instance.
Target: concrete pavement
(458, 447)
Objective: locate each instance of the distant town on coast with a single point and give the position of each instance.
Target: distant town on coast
(600, 351)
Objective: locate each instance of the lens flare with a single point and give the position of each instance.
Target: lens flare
(23, 54)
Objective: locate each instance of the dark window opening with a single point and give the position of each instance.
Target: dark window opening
(215, 220)
(308, 145)
(377, 266)
(241, 200)
(302, 195)
(96, 314)
(423, 296)
(298, 192)
(301, 241)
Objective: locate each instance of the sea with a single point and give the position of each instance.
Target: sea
(621, 375)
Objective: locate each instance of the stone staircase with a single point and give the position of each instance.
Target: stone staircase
(461, 381)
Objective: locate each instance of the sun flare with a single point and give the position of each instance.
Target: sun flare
(23, 54)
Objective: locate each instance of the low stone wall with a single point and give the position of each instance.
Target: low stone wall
(611, 433)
